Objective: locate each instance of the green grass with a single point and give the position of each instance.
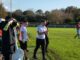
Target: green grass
(62, 46)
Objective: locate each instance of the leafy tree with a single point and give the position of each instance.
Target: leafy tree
(39, 12)
(57, 16)
(28, 13)
(17, 14)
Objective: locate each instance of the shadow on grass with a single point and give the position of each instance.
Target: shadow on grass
(51, 54)
(54, 54)
(49, 57)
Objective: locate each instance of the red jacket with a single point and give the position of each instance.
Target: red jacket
(0, 32)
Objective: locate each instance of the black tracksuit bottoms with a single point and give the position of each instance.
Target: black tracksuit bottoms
(40, 42)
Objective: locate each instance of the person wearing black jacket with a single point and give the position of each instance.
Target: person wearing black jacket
(8, 43)
(46, 35)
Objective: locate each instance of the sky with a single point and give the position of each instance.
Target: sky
(45, 5)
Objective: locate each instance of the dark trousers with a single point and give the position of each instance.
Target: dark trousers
(47, 41)
(23, 45)
(7, 56)
(77, 35)
(40, 42)
(7, 52)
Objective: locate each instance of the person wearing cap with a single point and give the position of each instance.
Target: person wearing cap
(40, 40)
(8, 37)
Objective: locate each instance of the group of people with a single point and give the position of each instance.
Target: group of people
(8, 37)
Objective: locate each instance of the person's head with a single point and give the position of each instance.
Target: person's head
(7, 18)
(42, 22)
(46, 22)
(24, 21)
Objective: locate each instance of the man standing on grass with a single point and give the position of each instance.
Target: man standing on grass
(46, 35)
(40, 40)
(78, 29)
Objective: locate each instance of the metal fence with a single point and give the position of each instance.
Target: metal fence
(53, 25)
(62, 26)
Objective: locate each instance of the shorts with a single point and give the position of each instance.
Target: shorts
(23, 45)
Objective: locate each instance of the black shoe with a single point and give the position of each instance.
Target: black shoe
(44, 59)
(35, 57)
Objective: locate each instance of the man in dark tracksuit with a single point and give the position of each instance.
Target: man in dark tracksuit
(46, 35)
(8, 44)
(40, 41)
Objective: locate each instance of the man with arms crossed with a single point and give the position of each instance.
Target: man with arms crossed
(40, 40)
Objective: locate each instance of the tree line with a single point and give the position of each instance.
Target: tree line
(69, 15)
